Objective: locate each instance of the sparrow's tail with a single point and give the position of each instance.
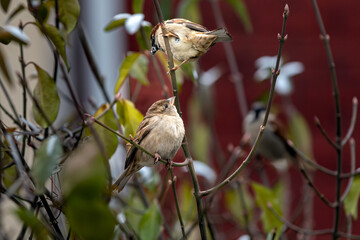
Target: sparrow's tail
(222, 35)
(120, 183)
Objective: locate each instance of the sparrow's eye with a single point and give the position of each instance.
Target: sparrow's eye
(177, 39)
(166, 106)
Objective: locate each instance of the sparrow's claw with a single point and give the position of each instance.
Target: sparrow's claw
(169, 164)
(156, 158)
(176, 67)
(170, 34)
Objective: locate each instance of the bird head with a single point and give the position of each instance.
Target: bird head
(164, 106)
(154, 45)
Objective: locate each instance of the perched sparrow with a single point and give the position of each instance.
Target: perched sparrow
(161, 133)
(188, 40)
(273, 145)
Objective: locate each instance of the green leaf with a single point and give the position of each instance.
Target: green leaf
(125, 69)
(4, 67)
(129, 116)
(139, 69)
(200, 131)
(300, 133)
(189, 9)
(150, 223)
(57, 39)
(351, 201)
(17, 10)
(136, 205)
(233, 203)
(117, 21)
(187, 202)
(138, 6)
(242, 12)
(46, 95)
(85, 194)
(108, 139)
(5, 5)
(46, 160)
(29, 219)
(69, 11)
(265, 196)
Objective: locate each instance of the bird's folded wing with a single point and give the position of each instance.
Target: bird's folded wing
(145, 127)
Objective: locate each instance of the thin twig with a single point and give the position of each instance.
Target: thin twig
(245, 211)
(352, 123)
(184, 146)
(155, 64)
(9, 100)
(318, 193)
(177, 202)
(323, 132)
(9, 115)
(231, 59)
(37, 104)
(313, 163)
(275, 74)
(309, 231)
(325, 37)
(93, 66)
(297, 228)
(22, 63)
(56, 53)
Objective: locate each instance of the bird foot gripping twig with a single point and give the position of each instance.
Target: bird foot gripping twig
(156, 158)
(176, 67)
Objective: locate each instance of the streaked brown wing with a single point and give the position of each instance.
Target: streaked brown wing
(143, 130)
(188, 24)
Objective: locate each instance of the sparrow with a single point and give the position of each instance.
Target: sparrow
(161, 133)
(188, 40)
(273, 145)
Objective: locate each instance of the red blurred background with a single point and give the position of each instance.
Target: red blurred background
(313, 89)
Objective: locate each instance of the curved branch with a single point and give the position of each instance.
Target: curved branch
(275, 74)
(352, 123)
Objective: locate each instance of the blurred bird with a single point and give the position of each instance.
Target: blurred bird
(161, 133)
(188, 40)
(273, 145)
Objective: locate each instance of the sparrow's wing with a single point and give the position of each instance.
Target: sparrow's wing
(189, 24)
(279, 131)
(145, 127)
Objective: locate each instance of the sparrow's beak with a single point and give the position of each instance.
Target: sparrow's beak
(171, 101)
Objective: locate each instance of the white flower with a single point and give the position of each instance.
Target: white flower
(133, 22)
(244, 237)
(283, 85)
(209, 77)
(203, 170)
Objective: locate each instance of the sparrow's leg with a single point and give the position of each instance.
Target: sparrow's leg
(176, 67)
(157, 158)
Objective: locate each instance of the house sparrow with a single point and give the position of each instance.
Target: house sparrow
(161, 133)
(188, 40)
(273, 145)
